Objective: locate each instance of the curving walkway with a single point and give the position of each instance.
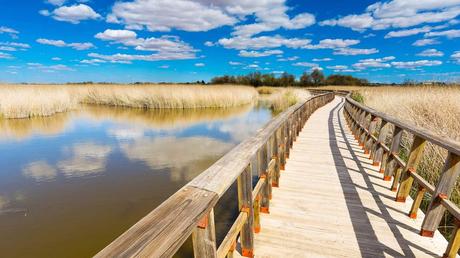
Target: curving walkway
(333, 203)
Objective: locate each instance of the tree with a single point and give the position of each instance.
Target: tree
(305, 79)
(317, 77)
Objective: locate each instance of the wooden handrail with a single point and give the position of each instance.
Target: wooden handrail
(190, 210)
(361, 120)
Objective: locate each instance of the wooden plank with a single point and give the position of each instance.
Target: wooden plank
(394, 149)
(353, 218)
(165, 229)
(445, 185)
(245, 205)
(230, 237)
(204, 237)
(415, 155)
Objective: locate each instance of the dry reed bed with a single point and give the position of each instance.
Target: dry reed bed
(279, 99)
(23, 101)
(434, 108)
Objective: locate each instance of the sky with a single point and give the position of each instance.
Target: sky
(126, 41)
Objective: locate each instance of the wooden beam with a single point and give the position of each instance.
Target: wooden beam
(415, 155)
(394, 149)
(204, 237)
(163, 231)
(445, 186)
(245, 205)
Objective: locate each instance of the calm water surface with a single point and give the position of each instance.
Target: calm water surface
(71, 183)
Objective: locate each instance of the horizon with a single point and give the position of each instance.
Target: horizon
(157, 41)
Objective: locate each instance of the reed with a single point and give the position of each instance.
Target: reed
(279, 99)
(24, 101)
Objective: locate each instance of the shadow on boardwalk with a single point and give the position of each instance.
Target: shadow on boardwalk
(368, 241)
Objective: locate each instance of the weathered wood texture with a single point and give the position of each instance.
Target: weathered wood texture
(333, 203)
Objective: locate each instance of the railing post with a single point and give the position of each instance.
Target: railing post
(378, 149)
(444, 188)
(282, 144)
(368, 138)
(263, 173)
(276, 156)
(417, 201)
(204, 237)
(415, 155)
(245, 205)
(454, 243)
(394, 150)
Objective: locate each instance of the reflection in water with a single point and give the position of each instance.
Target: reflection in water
(40, 171)
(104, 169)
(24, 128)
(164, 118)
(157, 118)
(86, 158)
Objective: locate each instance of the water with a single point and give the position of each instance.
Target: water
(71, 183)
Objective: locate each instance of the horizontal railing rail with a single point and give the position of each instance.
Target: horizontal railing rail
(190, 211)
(364, 121)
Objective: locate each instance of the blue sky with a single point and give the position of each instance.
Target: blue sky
(188, 40)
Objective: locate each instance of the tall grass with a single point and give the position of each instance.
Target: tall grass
(23, 101)
(434, 108)
(279, 99)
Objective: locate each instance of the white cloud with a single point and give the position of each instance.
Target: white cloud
(431, 52)
(399, 14)
(285, 59)
(456, 57)
(56, 2)
(234, 63)
(447, 33)
(305, 64)
(164, 15)
(241, 43)
(127, 58)
(245, 53)
(333, 44)
(61, 43)
(116, 35)
(425, 42)
(199, 64)
(93, 61)
(204, 15)
(373, 63)
(169, 46)
(56, 59)
(73, 14)
(321, 59)
(163, 66)
(355, 51)
(416, 64)
(12, 32)
(409, 32)
(5, 55)
(337, 67)
(51, 68)
(209, 44)
(13, 46)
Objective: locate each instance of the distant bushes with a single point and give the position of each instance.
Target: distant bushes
(315, 78)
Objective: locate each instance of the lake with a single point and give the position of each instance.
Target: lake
(73, 182)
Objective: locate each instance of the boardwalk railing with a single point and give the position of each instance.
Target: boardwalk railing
(363, 122)
(190, 211)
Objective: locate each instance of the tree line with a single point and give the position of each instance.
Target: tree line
(315, 78)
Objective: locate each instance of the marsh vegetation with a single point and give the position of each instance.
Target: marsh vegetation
(24, 101)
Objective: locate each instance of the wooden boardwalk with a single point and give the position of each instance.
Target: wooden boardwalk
(333, 203)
